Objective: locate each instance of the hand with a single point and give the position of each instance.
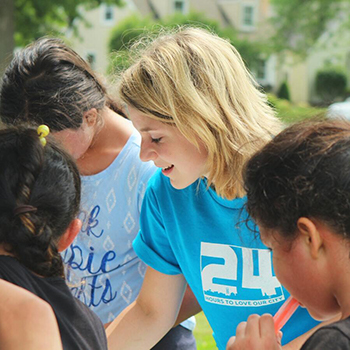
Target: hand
(258, 333)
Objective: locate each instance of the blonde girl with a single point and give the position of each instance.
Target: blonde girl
(200, 115)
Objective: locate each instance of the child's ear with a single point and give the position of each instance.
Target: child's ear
(68, 237)
(310, 235)
(91, 116)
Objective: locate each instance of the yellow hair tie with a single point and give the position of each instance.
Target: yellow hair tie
(43, 131)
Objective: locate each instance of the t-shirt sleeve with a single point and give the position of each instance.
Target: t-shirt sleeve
(327, 338)
(152, 243)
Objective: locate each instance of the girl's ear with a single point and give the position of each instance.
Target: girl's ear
(310, 236)
(68, 237)
(91, 117)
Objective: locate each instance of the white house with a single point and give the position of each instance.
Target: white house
(249, 17)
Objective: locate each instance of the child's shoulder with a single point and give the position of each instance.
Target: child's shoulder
(23, 313)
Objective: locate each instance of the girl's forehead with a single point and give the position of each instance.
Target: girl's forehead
(143, 122)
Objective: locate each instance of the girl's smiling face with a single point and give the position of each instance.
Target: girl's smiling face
(163, 143)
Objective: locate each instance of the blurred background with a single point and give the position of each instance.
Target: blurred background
(298, 50)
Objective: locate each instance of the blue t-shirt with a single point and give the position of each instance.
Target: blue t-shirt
(195, 232)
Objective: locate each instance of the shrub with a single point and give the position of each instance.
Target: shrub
(127, 31)
(330, 84)
(134, 28)
(283, 91)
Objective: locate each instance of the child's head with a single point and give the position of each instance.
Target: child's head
(49, 83)
(196, 81)
(298, 189)
(40, 197)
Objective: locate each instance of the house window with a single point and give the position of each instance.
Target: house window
(261, 70)
(248, 16)
(107, 14)
(179, 6)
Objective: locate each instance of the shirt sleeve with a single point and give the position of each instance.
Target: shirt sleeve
(152, 243)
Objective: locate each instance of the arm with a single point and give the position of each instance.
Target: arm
(151, 315)
(189, 307)
(26, 321)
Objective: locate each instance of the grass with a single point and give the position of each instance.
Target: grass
(291, 113)
(204, 334)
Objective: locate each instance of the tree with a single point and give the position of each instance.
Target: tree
(299, 24)
(22, 21)
(134, 27)
(6, 32)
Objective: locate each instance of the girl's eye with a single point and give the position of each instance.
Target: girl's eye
(156, 140)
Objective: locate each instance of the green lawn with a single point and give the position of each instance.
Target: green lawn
(291, 113)
(203, 334)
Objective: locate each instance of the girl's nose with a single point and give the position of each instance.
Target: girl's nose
(147, 153)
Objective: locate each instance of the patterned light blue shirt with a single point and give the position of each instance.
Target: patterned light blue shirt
(102, 269)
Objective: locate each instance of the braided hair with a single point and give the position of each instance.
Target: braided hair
(42, 177)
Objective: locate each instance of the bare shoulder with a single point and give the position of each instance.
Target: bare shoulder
(26, 319)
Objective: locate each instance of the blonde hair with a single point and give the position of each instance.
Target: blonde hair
(198, 82)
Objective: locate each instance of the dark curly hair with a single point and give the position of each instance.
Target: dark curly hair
(49, 83)
(45, 178)
(303, 172)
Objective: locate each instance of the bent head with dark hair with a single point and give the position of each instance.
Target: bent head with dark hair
(45, 178)
(49, 83)
(303, 172)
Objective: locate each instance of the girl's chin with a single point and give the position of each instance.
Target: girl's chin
(322, 317)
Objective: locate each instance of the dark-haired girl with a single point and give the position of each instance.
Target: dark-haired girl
(49, 83)
(298, 189)
(26, 319)
(39, 200)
